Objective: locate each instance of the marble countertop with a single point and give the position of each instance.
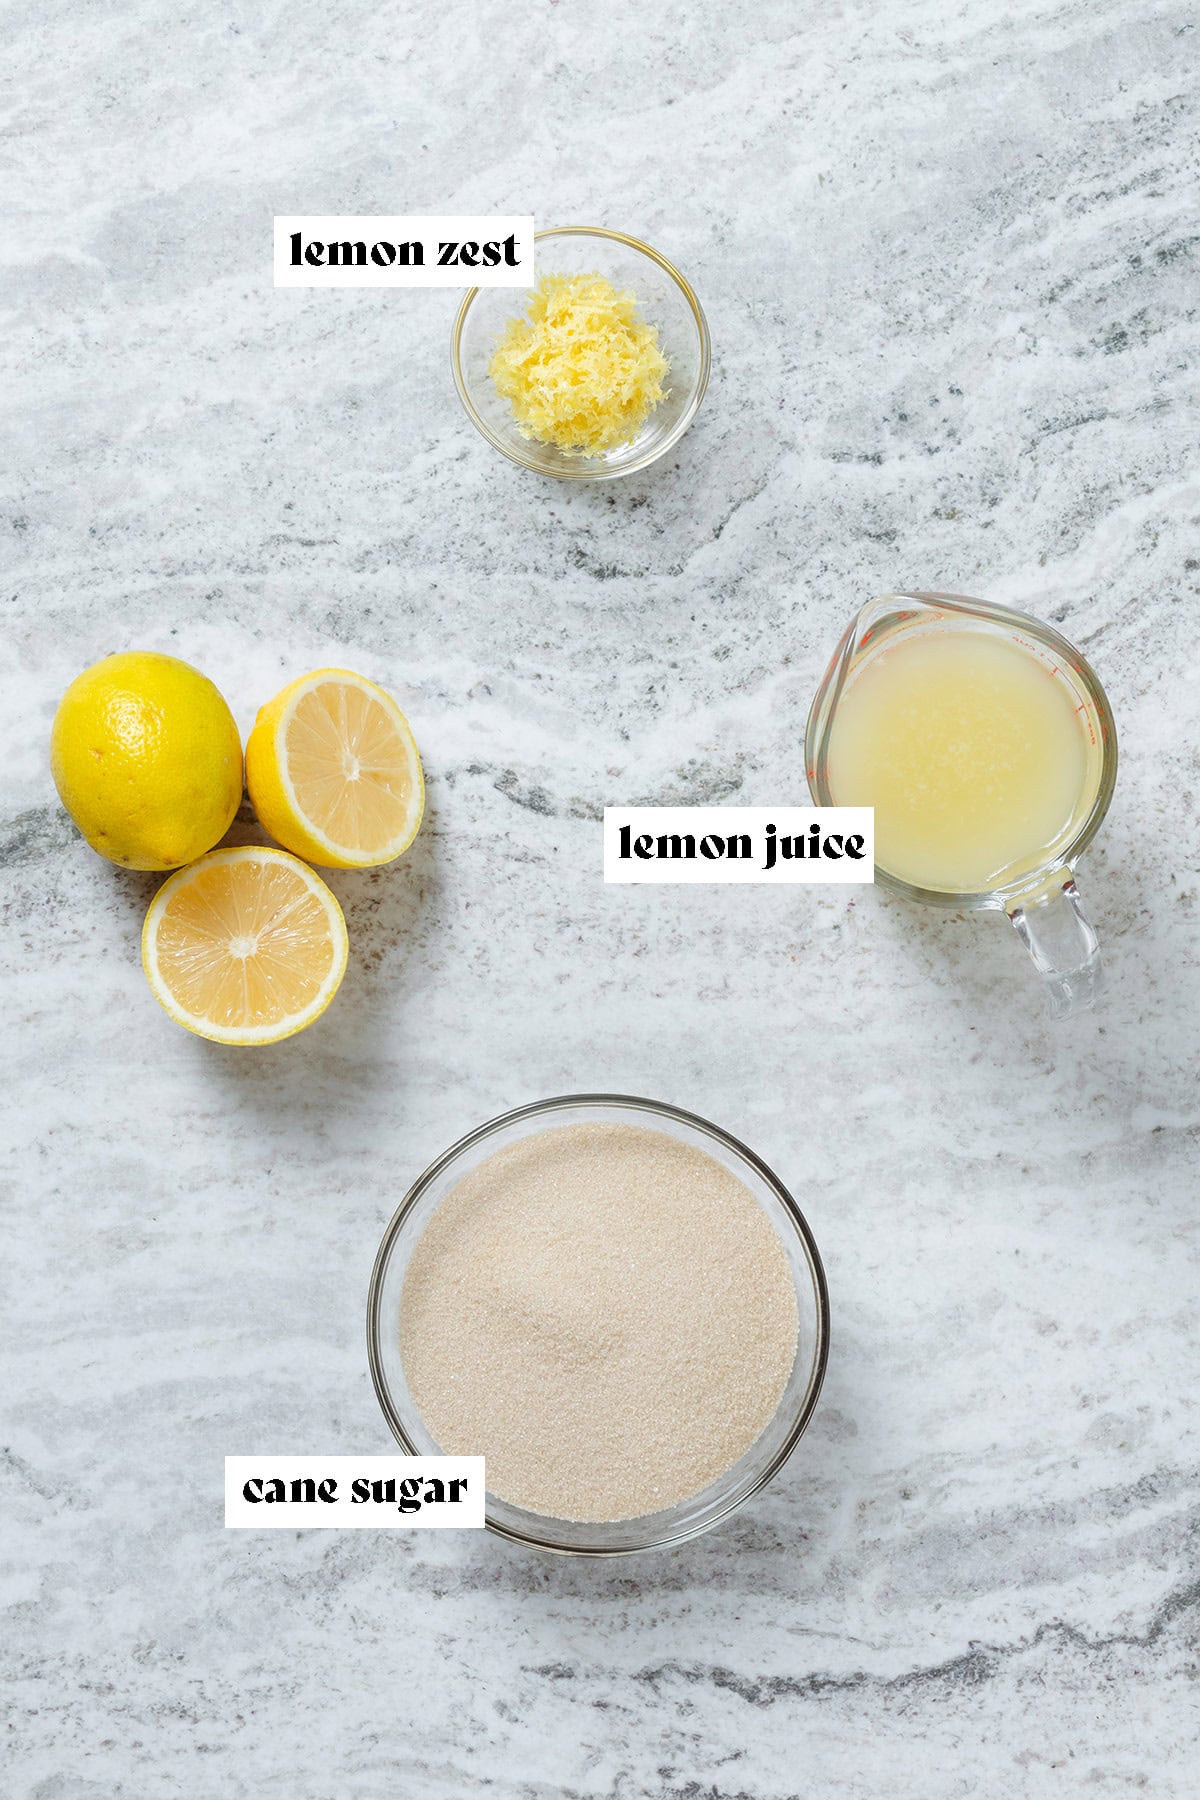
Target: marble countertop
(948, 256)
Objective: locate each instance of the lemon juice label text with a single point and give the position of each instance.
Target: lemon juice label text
(739, 843)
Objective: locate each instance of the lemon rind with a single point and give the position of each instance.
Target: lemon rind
(247, 1036)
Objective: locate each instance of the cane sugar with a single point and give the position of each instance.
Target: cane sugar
(603, 1312)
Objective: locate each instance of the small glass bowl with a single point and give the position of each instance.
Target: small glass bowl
(665, 299)
(765, 1457)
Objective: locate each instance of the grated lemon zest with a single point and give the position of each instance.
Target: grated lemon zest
(582, 370)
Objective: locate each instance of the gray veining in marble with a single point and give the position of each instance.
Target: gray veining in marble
(949, 259)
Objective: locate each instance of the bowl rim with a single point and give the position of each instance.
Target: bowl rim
(661, 1109)
(602, 471)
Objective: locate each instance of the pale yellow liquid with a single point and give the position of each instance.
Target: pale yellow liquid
(973, 753)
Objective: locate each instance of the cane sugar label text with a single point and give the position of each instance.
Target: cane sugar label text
(354, 1493)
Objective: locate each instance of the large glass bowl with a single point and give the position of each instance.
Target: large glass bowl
(665, 299)
(765, 1456)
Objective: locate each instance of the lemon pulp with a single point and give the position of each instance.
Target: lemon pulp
(246, 946)
(334, 772)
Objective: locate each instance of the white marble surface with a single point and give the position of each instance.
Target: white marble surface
(948, 255)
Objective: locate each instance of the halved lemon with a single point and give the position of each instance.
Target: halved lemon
(246, 946)
(333, 771)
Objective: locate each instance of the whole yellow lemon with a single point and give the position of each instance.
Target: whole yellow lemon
(147, 760)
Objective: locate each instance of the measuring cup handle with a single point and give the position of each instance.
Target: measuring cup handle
(1052, 925)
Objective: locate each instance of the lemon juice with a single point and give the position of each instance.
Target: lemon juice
(972, 750)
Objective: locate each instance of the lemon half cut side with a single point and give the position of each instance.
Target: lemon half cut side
(246, 946)
(334, 773)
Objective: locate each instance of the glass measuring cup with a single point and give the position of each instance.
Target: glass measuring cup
(1041, 900)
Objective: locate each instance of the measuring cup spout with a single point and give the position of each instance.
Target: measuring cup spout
(1052, 925)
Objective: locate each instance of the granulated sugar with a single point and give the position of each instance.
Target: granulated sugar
(603, 1312)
